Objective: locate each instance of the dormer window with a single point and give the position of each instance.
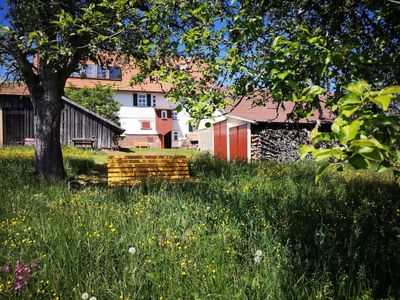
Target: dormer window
(174, 115)
(164, 114)
(98, 72)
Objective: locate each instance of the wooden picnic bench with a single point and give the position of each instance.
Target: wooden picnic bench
(83, 142)
(132, 169)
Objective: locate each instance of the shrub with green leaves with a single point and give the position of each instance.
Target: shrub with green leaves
(98, 99)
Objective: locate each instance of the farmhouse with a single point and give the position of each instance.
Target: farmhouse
(246, 131)
(146, 115)
(78, 124)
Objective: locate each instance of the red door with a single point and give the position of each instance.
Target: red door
(220, 140)
(238, 143)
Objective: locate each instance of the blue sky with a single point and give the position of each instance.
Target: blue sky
(3, 11)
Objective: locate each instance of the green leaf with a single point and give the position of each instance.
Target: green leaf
(382, 101)
(350, 98)
(349, 132)
(304, 150)
(347, 112)
(390, 90)
(383, 166)
(359, 162)
(375, 154)
(282, 75)
(358, 87)
(321, 170)
(313, 90)
(314, 133)
(337, 124)
(324, 154)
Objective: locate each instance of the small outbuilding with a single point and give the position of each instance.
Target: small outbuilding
(252, 132)
(78, 124)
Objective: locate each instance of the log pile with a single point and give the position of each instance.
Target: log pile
(277, 144)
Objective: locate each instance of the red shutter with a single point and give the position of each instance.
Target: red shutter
(146, 124)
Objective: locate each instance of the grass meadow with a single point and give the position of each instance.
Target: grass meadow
(246, 231)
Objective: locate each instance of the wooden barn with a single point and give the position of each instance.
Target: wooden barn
(253, 132)
(79, 125)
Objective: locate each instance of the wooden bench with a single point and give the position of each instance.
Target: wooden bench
(132, 169)
(141, 145)
(83, 142)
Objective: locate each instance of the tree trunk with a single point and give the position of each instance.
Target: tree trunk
(47, 104)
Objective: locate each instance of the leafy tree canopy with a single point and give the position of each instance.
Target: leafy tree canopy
(296, 50)
(98, 99)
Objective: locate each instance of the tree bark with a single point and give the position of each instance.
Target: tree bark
(48, 105)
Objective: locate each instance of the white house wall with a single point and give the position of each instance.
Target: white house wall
(131, 116)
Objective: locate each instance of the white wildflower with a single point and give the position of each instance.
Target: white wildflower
(132, 250)
(257, 256)
(93, 298)
(85, 296)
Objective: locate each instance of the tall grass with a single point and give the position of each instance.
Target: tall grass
(338, 239)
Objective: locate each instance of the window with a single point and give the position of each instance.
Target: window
(174, 115)
(114, 73)
(192, 127)
(164, 114)
(175, 135)
(142, 100)
(96, 71)
(90, 71)
(154, 100)
(145, 125)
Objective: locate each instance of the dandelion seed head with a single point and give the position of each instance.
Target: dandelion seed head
(258, 253)
(85, 296)
(132, 250)
(257, 259)
(93, 298)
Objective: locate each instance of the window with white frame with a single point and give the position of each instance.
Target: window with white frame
(142, 101)
(174, 115)
(164, 114)
(175, 135)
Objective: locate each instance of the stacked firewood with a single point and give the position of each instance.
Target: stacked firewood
(277, 144)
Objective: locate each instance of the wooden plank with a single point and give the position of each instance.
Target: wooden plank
(148, 174)
(141, 163)
(128, 169)
(118, 179)
(146, 164)
(147, 156)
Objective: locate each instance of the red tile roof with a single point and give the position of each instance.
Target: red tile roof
(270, 112)
(14, 89)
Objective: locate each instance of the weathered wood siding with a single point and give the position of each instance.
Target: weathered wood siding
(16, 110)
(75, 123)
(79, 124)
